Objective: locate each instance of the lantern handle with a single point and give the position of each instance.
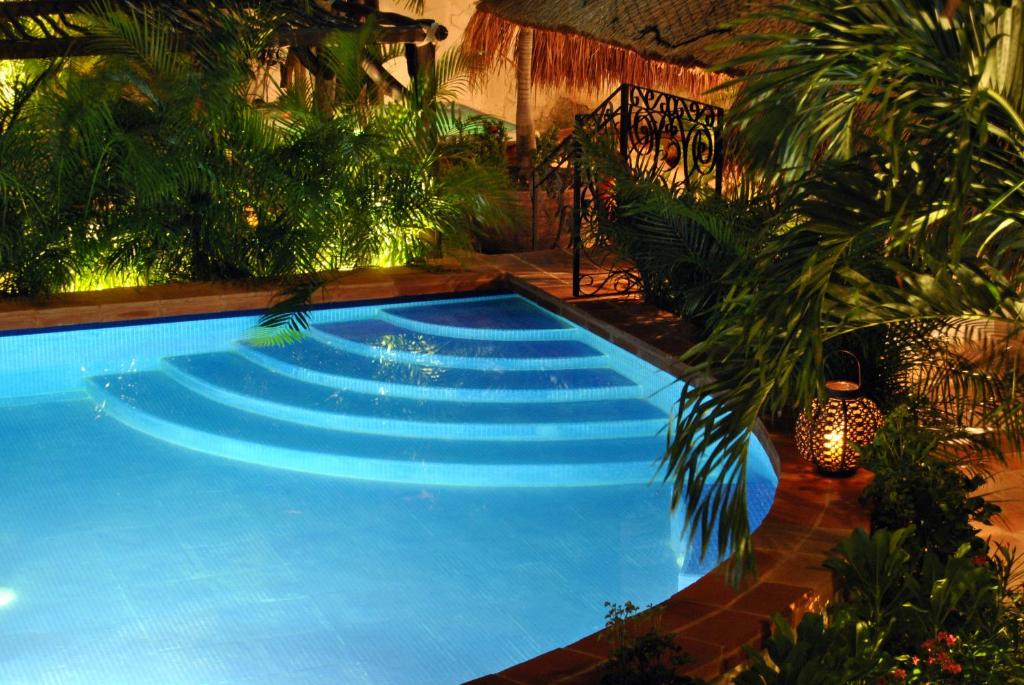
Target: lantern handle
(856, 360)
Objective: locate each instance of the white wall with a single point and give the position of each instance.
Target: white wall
(496, 94)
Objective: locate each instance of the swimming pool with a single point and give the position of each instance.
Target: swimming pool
(417, 492)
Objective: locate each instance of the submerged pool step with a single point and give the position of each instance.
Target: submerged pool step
(316, 362)
(236, 381)
(503, 317)
(154, 403)
(382, 339)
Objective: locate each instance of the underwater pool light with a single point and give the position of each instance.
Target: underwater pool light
(7, 596)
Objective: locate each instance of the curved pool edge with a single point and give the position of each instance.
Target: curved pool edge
(710, 620)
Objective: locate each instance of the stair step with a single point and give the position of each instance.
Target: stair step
(154, 403)
(507, 317)
(383, 339)
(237, 381)
(313, 361)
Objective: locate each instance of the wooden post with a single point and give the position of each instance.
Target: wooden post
(293, 74)
(419, 61)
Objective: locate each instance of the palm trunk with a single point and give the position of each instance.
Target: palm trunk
(1005, 69)
(526, 141)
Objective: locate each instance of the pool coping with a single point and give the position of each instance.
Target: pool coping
(710, 620)
(117, 305)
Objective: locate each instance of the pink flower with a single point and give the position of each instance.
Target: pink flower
(898, 674)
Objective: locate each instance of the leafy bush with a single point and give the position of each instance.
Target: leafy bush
(684, 242)
(892, 132)
(917, 482)
(152, 164)
(641, 657)
(903, 615)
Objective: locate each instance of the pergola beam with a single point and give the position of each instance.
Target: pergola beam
(34, 8)
(344, 16)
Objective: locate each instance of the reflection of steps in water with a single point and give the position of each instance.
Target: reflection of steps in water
(426, 402)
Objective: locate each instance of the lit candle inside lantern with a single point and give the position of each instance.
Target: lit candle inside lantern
(833, 443)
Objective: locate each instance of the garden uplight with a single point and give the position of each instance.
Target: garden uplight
(829, 433)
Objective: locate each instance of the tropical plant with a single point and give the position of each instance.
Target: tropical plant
(152, 163)
(817, 652)
(682, 239)
(919, 481)
(401, 174)
(894, 141)
(641, 654)
(34, 256)
(902, 615)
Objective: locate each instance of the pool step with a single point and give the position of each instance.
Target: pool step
(507, 317)
(314, 361)
(380, 339)
(155, 403)
(236, 381)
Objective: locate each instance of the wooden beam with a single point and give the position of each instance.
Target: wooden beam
(396, 28)
(41, 48)
(34, 8)
(383, 78)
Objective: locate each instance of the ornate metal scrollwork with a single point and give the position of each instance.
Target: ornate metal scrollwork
(667, 137)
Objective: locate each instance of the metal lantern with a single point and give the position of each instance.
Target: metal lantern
(828, 433)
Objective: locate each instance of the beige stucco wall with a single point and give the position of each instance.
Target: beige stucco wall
(496, 92)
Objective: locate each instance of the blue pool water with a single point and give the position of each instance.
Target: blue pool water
(417, 492)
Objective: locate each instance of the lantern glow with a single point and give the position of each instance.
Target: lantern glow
(829, 433)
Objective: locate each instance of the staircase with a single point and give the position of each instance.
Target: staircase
(428, 394)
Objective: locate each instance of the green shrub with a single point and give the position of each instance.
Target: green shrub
(151, 164)
(918, 483)
(641, 655)
(903, 614)
(684, 242)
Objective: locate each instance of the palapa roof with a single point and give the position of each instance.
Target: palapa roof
(598, 42)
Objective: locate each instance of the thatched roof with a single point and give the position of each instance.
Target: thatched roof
(597, 42)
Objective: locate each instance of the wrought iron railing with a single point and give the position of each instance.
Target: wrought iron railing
(665, 136)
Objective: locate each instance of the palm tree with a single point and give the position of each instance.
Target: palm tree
(526, 140)
(151, 162)
(894, 137)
